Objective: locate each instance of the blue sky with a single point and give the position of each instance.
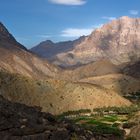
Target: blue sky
(33, 21)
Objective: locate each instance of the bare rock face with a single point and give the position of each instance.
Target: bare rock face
(15, 58)
(118, 41)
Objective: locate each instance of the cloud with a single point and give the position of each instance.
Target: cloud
(109, 18)
(44, 36)
(68, 2)
(77, 32)
(134, 12)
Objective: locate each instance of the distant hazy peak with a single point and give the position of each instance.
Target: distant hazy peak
(49, 42)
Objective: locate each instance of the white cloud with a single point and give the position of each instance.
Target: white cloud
(134, 12)
(109, 18)
(73, 32)
(68, 2)
(77, 32)
(44, 36)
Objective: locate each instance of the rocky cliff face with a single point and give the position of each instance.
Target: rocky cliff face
(15, 58)
(118, 41)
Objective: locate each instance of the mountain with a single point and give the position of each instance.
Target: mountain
(15, 58)
(98, 68)
(118, 41)
(28, 79)
(48, 49)
(105, 74)
(117, 82)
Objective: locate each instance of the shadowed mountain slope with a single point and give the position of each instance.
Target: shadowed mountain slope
(133, 69)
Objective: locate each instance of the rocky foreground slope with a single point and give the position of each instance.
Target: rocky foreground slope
(20, 122)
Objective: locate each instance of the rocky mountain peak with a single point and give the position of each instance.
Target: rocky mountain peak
(8, 39)
(125, 18)
(4, 34)
(48, 42)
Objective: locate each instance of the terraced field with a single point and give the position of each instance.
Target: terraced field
(113, 120)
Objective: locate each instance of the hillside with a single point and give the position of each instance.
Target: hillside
(120, 83)
(98, 68)
(57, 96)
(15, 58)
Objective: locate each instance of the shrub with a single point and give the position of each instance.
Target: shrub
(129, 125)
(131, 138)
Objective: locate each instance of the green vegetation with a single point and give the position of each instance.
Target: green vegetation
(106, 120)
(131, 138)
(77, 112)
(117, 110)
(110, 118)
(106, 129)
(100, 127)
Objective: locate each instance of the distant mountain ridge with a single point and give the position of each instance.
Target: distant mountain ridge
(118, 41)
(48, 49)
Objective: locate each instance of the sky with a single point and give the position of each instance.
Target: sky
(34, 21)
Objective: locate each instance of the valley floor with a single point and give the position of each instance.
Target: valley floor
(20, 122)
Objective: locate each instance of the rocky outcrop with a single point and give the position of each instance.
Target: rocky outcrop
(20, 122)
